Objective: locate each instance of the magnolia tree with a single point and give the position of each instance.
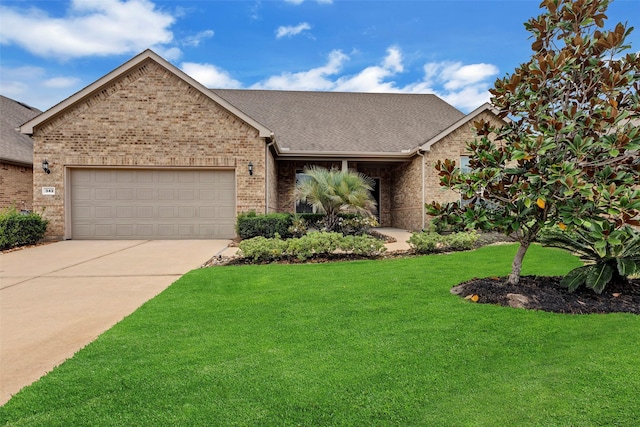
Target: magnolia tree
(568, 155)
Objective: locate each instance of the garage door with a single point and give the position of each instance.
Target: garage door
(152, 204)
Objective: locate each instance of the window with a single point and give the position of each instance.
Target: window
(464, 168)
(302, 207)
(464, 164)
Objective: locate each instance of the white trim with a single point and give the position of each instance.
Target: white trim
(68, 232)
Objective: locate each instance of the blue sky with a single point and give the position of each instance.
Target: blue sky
(50, 49)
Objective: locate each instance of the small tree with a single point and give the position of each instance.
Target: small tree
(569, 153)
(333, 191)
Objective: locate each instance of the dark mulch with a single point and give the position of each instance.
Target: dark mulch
(546, 294)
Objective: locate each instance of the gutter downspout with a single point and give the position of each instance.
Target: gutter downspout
(266, 174)
(421, 154)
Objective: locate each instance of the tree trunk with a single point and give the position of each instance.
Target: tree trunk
(331, 221)
(516, 266)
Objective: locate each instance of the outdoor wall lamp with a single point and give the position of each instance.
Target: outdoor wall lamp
(45, 166)
(250, 168)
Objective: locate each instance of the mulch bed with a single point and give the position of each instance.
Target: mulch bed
(546, 294)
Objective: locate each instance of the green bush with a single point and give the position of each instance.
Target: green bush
(610, 254)
(356, 224)
(363, 245)
(19, 229)
(251, 225)
(348, 223)
(260, 249)
(314, 243)
(427, 242)
(298, 226)
(263, 249)
(314, 220)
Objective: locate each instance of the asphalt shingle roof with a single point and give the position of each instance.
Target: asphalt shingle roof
(345, 121)
(14, 146)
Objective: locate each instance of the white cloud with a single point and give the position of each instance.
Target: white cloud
(469, 74)
(290, 31)
(314, 79)
(32, 86)
(198, 38)
(169, 53)
(463, 86)
(372, 79)
(468, 98)
(210, 75)
(89, 28)
(61, 82)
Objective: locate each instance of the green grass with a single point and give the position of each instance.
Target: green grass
(349, 343)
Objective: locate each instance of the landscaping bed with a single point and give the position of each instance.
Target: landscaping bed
(545, 293)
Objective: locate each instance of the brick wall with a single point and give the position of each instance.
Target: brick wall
(16, 186)
(147, 118)
(406, 196)
(406, 183)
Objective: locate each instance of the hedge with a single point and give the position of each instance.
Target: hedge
(19, 229)
(317, 243)
(251, 225)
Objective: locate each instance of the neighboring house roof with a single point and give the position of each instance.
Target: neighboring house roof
(147, 55)
(345, 123)
(14, 146)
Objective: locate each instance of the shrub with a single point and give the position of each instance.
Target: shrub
(462, 241)
(19, 229)
(263, 249)
(298, 226)
(356, 224)
(314, 220)
(427, 242)
(251, 225)
(362, 245)
(611, 255)
(424, 242)
(316, 243)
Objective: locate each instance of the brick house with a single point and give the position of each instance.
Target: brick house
(16, 155)
(147, 152)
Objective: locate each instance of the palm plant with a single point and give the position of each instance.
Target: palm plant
(611, 255)
(335, 191)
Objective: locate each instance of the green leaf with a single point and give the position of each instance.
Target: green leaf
(575, 278)
(598, 276)
(628, 266)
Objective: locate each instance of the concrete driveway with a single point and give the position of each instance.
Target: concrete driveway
(57, 298)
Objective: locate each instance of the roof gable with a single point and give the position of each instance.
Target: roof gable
(486, 107)
(147, 55)
(15, 147)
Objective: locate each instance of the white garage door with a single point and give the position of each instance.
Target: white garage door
(152, 204)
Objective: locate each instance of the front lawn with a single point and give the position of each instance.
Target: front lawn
(347, 343)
